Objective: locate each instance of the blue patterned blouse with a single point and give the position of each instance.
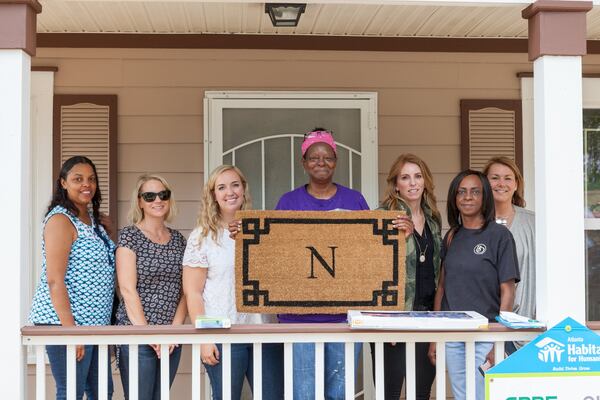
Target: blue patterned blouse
(90, 277)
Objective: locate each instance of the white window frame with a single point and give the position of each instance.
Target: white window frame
(215, 102)
(591, 99)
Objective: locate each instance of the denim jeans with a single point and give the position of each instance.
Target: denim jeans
(148, 371)
(241, 366)
(455, 362)
(86, 372)
(334, 366)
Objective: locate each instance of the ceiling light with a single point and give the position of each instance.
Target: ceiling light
(284, 14)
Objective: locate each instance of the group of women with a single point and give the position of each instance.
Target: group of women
(485, 263)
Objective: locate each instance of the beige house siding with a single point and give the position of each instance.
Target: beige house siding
(160, 97)
(161, 101)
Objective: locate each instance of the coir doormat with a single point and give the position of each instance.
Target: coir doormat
(308, 262)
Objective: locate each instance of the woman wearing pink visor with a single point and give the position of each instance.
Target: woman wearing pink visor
(319, 157)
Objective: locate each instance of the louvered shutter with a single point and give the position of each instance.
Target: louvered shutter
(86, 125)
(490, 128)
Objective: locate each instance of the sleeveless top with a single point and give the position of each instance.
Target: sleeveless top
(89, 278)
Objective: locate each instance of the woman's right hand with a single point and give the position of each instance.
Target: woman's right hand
(404, 223)
(431, 353)
(235, 227)
(209, 354)
(79, 352)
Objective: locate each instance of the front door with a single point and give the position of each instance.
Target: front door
(261, 133)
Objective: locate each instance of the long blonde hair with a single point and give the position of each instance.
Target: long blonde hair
(209, 217)
(518, 198)
(136, 214)
(392, 199)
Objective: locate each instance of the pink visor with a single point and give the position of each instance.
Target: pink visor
(318, 137)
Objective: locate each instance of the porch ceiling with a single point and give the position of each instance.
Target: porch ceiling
(421, 19)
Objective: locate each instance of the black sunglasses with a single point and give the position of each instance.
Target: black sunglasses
(149, 197)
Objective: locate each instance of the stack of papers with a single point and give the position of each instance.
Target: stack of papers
(415, 320)
(206, 322)
(516, 321)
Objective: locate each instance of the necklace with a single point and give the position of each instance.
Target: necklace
(505, 220)
(422, 257)
(502, 220)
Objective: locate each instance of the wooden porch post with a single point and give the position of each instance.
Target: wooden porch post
(557, 40)
(17, 45)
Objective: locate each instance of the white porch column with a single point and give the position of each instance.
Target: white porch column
(556, 43)
(15, 158)
(560, 249)
(17, 43)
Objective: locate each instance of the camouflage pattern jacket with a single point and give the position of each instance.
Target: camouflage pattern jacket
(411, 255)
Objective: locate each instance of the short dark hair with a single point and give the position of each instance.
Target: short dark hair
(60, 198)
(487, 207)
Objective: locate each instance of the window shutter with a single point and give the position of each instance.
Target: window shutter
(490, 128)
(86, 125)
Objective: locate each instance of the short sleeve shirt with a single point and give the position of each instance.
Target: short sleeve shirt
(476, 263)
(158, 275)
(219, 289)
(300, 200)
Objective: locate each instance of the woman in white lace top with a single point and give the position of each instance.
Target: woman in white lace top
(209, 284)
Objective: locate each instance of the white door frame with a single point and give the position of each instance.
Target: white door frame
(215, 102)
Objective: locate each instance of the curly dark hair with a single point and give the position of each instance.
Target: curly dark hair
(60, 198)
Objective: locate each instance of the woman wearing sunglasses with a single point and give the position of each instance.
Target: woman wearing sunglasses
(479, 271)
(76, 286)
(149, 256)
(209, 285)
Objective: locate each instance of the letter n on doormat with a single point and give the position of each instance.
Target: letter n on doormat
(308, 262)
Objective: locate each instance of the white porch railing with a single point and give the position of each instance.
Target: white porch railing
(39, 336)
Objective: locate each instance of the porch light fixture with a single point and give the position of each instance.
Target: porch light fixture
(284, 14)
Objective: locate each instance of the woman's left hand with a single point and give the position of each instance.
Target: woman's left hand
(404, 223)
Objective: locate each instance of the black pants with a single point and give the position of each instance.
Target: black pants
(394, 364)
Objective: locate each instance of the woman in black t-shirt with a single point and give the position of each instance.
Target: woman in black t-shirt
(479, 270)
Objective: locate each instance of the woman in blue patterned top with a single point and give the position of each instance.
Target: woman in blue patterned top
(77, 282)
(149, 257)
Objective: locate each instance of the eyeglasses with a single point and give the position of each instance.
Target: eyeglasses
(475, 193)
(327, 160)
(149, 197)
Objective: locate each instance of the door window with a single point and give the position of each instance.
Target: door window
(262, 136)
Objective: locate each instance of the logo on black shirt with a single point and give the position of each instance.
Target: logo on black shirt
(479, 249)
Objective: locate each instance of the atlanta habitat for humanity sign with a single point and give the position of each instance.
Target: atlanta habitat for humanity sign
(561, 364)
(319, 262)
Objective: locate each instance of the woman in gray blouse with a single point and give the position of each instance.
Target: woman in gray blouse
(149, 256)
(507, 185)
